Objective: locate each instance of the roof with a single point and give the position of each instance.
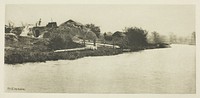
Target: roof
(51, 24)
(72, 22)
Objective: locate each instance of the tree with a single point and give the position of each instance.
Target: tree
(83, 34)
(118, 38)
(94, 29)
(87, 34)
(173, 38)
(193, 38)
(156, 38)
(107, 36)
(136, 37)
(60, 39)
(91, 36)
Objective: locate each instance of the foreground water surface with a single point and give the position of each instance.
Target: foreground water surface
(167, 70)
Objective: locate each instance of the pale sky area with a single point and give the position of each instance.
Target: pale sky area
(179, 19)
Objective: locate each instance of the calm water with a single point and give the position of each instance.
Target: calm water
(169, 70)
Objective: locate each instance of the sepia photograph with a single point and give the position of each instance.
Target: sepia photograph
(100, 48)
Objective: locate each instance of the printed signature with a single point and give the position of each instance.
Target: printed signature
(15, 88)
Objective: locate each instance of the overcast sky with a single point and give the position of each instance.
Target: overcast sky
(179, 19)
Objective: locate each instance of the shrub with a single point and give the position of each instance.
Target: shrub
(136, 37)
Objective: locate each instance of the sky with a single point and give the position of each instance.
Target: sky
(165, 19)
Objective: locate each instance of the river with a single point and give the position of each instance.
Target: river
(160, 71)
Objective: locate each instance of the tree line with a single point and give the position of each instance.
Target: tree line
(129, 38)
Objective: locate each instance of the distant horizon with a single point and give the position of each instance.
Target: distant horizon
(165, 19)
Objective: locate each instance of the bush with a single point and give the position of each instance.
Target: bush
(61, 39)
(136, 37)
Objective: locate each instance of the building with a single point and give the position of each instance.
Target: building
(39, 30)
(52, 25)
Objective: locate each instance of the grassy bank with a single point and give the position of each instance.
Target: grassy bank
(14, 57)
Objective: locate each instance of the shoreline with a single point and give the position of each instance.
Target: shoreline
(19, 57)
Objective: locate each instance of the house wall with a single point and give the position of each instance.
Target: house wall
(37, 31)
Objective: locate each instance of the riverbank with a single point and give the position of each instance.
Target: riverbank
(26, 49)
(14, 56)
